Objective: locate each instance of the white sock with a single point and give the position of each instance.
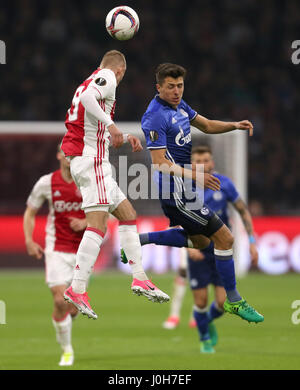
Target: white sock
(200, 310)
(85, 258)
(130, 242)
(178, 295)
(63, 330)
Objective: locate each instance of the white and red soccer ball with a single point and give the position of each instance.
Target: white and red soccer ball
(122, 23)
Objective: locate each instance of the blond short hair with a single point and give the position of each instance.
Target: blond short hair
(113, 58)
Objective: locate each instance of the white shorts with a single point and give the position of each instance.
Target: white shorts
(99, 190)
(59, 268)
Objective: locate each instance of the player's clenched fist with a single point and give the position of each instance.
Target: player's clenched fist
(135, 143)
(245, 125)
(34, 249)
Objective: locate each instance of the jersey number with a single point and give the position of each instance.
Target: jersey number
(75, 104)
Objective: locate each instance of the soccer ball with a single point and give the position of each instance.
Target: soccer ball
(122, 23)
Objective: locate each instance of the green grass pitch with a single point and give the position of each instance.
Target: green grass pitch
(128, 333)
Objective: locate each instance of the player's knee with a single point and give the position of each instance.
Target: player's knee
(133, 215)
(229, 240)
(225, 242)
(220, 304)
(59, 303)
(99, 226)
(201, 302)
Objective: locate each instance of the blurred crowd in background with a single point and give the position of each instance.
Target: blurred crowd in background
(238, 57)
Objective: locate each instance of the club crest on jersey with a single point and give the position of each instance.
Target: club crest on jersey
(100, 81)
(153, 135)
(181, 139)
(204, 211)
(184, 113)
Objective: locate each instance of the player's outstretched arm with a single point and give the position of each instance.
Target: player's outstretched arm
(33, 248)
(162, 164)
(218, 127)
(244, 212)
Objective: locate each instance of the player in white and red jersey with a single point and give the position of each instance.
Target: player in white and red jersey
(65, 226)
(91, 129)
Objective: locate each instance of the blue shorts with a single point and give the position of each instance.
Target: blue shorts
(201, 273)
(200, 221)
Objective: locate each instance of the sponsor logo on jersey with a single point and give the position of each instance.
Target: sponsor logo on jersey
(174, 121)
(181, 139)
(61, 206)
(57, 193)
(100, 81)
(153, 135)
(217, 195)
(204, 211)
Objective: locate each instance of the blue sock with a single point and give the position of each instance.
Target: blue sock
(202, 323)
(213, 312)
(170, 237)
(225, 268)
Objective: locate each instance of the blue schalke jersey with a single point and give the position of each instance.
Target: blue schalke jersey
(169, 128)
(218, 200)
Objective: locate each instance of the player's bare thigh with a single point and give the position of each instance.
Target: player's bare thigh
(125, 211)
(222, 239)
(97, 220)
(199, 241)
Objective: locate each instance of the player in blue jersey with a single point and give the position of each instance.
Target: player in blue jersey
(201, 265)
(166, 126)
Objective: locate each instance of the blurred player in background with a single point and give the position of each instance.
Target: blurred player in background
(90, 130)
(65, 226)
(202, 268)
(166, 125)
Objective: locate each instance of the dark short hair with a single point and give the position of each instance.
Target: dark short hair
(169, 70)
(202, 149)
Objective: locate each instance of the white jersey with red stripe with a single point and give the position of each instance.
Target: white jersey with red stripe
(86, 135)
(64, 200)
